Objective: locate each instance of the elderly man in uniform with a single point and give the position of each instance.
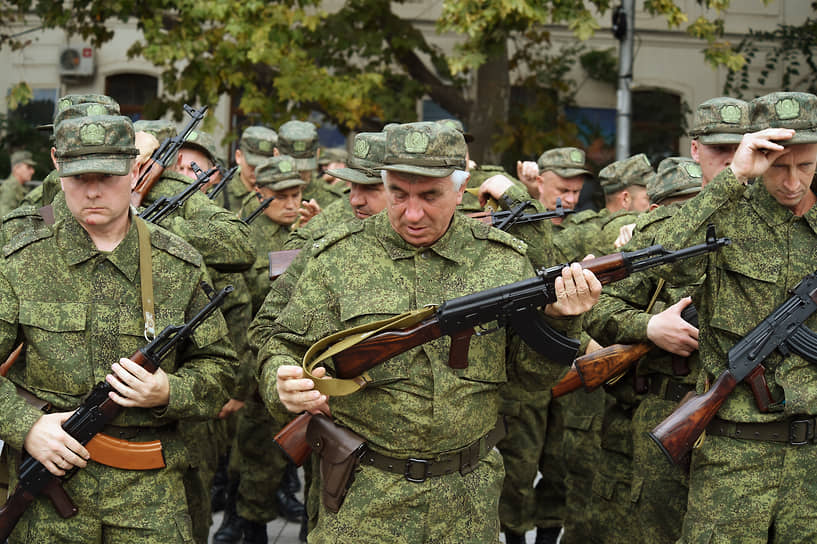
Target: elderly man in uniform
(751, 480)
(416, 407)
(80, 324)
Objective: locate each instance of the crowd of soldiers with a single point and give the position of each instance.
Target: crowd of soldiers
(420, 448)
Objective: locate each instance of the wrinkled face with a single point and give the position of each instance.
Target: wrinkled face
(284, 209)
(712, 158)
(789, 179)
(188, 156)
(552, 186)
(367, 199)
(98, 201)
(639, 201)
(420, 208)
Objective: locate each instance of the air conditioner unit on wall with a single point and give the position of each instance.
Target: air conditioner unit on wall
(76, 61)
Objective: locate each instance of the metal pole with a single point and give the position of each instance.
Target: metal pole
(624, 103)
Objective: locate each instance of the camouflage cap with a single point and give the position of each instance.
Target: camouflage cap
(160, 128)
(74, 99)
(457, 124)
(85, 109)
(721, 120)
(332, 154)
(787, 110)
(98, 144)
(567, 162)
(278, 173)
(621, 174)
(22, 156)
(676, 176)
(366, 161)
(299, 139)
(257, 144)
(426, 149)
(203, 142)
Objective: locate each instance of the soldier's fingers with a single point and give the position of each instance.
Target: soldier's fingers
(559, 288)
(290, 371)
(567, 277)
(71, 459)
(123, 375)
(593, 283)
(53, 468)
(579, 279)
(134, 369)
(120, 387)
(120, 400)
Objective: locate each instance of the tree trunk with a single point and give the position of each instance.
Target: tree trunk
(492, 91)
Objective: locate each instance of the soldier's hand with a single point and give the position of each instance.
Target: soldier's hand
(48, 443)
(308, 210)
(493, 187)
(625, 234)
(297, 393)
(136, 387)
(577, 290)
(526, 171)
(758, 151)
(230, 407)
(670, 332)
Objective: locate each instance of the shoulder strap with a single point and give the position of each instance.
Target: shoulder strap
(146, 275)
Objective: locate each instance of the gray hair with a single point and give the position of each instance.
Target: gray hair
(457, 177)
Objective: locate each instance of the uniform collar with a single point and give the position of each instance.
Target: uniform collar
(449, 246)
(78, 247)
(770, 210)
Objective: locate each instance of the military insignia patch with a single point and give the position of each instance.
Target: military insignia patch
(265, 146)
(285, 166)
(694, 170)
(730, 114)
(361, 149)
(299, 146)
(416, 142)
(63, 104)
(576, 156)
(96, 109)
(787, 108)
(92, 134)
(193, 136)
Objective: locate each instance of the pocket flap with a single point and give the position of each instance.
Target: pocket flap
(53, 316)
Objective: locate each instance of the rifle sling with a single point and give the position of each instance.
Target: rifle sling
(146, 277)
(340, 341)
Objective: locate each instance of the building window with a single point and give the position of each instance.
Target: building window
(132, 91)
(659, 120)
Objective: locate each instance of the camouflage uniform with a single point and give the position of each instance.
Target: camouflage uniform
(645, 397)
(101, 296)
(11, 190)
(413, 415)
(745, 490)
(257, 144)
(615, 177)
(299, 139)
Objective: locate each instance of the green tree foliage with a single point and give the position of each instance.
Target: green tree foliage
(360, 65)
(788, 52)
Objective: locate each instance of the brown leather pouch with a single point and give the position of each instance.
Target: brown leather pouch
(340, 450)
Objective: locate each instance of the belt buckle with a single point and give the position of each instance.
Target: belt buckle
(808, 434)
(407, 472)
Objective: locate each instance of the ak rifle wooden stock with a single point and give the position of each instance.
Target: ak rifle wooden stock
(96, 411)
(516, 305)
(597, 368)
(783, 330)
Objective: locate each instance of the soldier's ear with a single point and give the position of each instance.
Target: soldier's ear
(54, 157)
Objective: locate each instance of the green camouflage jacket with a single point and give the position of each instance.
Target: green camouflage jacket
(79, 310)
(416, 404)
(771, 251)
(11, 195)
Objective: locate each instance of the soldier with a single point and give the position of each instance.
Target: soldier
(257, 144)
(643, 308)
(299, 140)
(717, 128)
(625, 195)
(748, 454)
(331, 158)
(199, 148)
(255, 462)
(87, 257)
(13, 189)
(416, 407)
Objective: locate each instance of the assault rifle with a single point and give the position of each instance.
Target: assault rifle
(783, 331)
(95, 412)
(226, 176)
(163, 156)
(506, 219)
(162, 207)
(515, 305)
(599, 367)
(261, 207)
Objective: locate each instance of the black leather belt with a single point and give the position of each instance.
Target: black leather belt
(462, 460)
(796, 431)
(674, 390)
